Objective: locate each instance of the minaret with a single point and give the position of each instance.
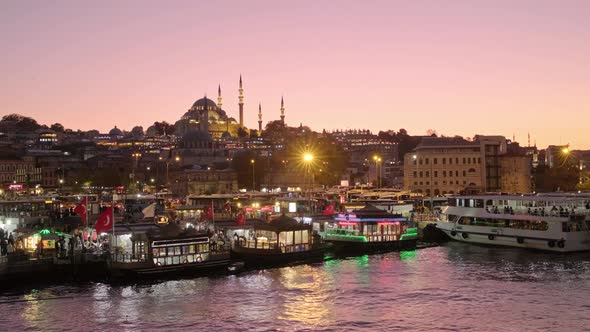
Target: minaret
(259, 118)
(282, 112)
(529, 139)
(204, 119)
(241, 103)
(219, 96)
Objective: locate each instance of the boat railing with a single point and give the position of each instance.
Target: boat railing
(341, 231)
(382, 238)
(538, 211)
(416, 217)
(129, 258)
(295, 247)
(253, 244)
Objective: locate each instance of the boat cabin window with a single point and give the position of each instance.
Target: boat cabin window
(534, 225)
(180, 251)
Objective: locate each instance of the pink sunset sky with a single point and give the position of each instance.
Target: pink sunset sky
(458, 67)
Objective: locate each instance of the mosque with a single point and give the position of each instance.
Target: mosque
(206, 116)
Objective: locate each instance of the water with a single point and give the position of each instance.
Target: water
(450, 288)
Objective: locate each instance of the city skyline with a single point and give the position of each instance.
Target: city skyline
(463, 69)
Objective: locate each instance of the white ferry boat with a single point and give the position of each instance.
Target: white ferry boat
(554, 222)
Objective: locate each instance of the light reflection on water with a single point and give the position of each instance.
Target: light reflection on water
(455, 287)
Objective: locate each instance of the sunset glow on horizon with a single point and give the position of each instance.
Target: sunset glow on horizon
(460, 68)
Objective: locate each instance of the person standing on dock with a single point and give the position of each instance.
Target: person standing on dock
(40, 249)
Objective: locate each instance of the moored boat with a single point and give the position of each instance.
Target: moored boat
(556, 222)
(282, 240)
(369, 230)
(169, 250)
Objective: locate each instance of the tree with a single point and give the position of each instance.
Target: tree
(329, 160)
(242, 164)
(164, 128)
(57, 127)
(92, 133)
(253, 133)
(23, 123)
(242, 133)
(556, 179)
(584, 184)
(137, 132)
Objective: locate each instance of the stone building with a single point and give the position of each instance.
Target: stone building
(516, 174)
(204, 181)
(445, 165)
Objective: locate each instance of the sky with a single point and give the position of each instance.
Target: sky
(457, 67)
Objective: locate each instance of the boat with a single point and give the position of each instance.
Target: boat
(553, 222)
(151, 250)
(369, 230)
(282, 240)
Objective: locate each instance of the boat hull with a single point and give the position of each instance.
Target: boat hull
(263, 257)
(538, 240)
(361, 248)
(147, 270)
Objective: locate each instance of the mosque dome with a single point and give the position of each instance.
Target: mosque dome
(205, 104)
(115, 132)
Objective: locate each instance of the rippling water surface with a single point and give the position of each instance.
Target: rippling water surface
(453, 287)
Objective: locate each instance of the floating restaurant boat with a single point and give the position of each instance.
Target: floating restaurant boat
(151, 250)
(555, 222)
(369, 230)
(280, 241)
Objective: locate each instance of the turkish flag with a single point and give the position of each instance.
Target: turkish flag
(207, 214)
(241, 219)
(81, 210)
(105, 221)
(329, 210)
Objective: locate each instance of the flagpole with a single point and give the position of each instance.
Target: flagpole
(86, 210)
(113, 215)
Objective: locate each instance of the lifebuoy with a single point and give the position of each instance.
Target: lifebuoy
(561, 243)
(453, 233)
(520, 240)
(185, 261)
(199, 259)
(491, 237)
(551, 244)
(464, 235)
(158, 264)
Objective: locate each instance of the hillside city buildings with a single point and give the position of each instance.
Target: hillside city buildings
(200, 154)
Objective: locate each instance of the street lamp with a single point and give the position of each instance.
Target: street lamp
(308, 159)
(252, 161)
(377, 160)
(176, 159)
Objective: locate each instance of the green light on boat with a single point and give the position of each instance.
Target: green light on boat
(356, 238)
(410, 234)
(408, 255)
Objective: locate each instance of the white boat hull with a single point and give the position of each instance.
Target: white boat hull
(530, 239)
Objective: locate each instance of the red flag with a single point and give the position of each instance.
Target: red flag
(207, 214)
(329, 210)
(80, 209)
(241, 219)
(105, 221)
